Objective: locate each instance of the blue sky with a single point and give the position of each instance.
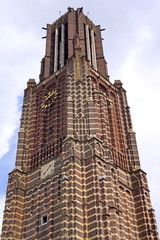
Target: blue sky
(132, 50)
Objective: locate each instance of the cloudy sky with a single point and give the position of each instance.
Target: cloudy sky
(132, 50)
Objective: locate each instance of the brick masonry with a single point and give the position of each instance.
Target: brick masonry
(77, 173)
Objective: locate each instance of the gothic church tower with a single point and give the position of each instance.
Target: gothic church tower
(77, 174)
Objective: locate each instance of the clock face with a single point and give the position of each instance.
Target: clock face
(47, 169)
(49, 99)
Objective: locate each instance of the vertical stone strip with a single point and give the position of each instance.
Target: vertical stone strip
(88, 44)
(62, 46)
(94, 61)
(56, 51)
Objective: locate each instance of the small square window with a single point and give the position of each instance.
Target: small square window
(44, 219)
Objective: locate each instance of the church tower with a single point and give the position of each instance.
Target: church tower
(77, 174)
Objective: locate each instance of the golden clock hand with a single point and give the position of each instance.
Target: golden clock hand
(46, 170)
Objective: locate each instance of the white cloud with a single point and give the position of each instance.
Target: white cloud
(19, 49)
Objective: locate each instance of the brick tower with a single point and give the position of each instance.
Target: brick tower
(77, 173)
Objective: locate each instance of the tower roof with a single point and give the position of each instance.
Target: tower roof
(60, 43)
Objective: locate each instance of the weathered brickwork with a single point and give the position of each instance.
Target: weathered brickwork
(77, 173)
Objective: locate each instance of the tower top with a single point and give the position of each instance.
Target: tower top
(60, 43)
